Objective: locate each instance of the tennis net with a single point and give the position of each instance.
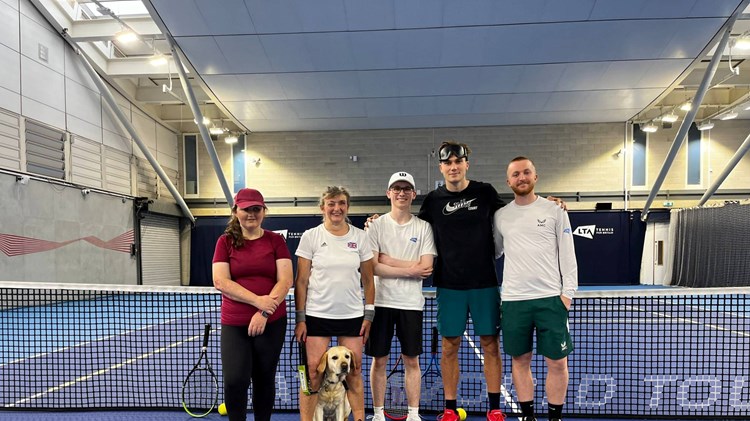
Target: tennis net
(647, 352)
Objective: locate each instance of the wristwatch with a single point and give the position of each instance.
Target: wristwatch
(264, 314)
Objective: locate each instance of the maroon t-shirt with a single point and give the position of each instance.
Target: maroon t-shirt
(254, 267)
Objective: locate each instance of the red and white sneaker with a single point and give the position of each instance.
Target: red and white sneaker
(495, 415)
(448, 415)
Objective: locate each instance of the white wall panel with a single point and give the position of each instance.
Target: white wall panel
(83, 103)
(29, 10)
(42, 84)
(117, 141)
(109, 120)
(11, 3)
(10, 69)
(166, 147)
(42, 113)
(75, 70)
(146, 129)
(10, 100)
(9, 28)
(84, 128)
(34, 35)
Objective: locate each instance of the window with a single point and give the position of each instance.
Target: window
(694, 156)
(639, 156)
(238, 161)
(190, 164)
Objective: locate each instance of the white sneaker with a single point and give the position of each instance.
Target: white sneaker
(378, 417)
(413, 418)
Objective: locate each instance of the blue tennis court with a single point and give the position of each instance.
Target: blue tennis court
(645, 353)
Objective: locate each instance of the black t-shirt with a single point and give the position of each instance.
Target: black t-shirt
(462, 225)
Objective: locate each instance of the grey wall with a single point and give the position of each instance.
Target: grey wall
(38, 215)
(569, 158)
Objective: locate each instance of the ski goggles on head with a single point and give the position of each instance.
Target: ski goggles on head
(446, 151)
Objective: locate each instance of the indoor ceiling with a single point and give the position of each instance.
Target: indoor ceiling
(338, 64)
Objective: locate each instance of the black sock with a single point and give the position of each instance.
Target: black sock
(555, 411)
(451, 404)
(527, 408)
(494, 399)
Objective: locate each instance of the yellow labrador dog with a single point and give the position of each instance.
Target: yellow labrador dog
(334, 365)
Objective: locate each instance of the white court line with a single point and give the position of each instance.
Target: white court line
(80, 344)
(704, 308)
(686, 320)
(103, 371)
(506, 395)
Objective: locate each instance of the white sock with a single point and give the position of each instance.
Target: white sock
(378, 410)
(413, 411)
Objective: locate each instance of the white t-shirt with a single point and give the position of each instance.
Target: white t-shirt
(334, 290)
(404, 242)
(540, 259)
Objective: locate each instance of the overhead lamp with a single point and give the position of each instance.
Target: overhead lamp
(649, 127)
(705, 125)
(216, 130)
(669, 118)
(742, 43)
(125, 36)
(231, 139)
(206, 121)
(747, 106)
(158, 60)
(686, 106)
(731, 115)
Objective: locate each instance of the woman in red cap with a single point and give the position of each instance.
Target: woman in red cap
(252, 268)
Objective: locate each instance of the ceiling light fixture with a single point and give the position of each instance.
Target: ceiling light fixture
(231, 139)
(649, 127)
(686, 106)
(158, 60)
(216, 130)
(206, 121)
(125, 36)
(669, 118)
(731, 115)
(742, 43)
(705, 125)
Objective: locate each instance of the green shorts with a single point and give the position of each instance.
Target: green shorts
(548, 316)
(455, 306)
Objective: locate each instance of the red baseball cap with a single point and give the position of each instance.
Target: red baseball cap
(246, 198)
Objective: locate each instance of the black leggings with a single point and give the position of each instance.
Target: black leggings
(246, 358)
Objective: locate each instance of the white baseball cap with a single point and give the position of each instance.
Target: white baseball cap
(401, 176)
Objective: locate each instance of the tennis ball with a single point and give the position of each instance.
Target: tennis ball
(222, 409)
(461, 414)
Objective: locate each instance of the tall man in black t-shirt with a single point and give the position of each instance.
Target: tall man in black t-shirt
(461, 214)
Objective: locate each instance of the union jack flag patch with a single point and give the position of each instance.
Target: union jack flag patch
(351, 245)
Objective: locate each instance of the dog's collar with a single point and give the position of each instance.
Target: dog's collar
(343, 382)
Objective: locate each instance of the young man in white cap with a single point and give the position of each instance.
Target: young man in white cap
(403, 251)
(540, 278)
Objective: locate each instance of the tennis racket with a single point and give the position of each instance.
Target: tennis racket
(432, 384)
(200, 390)
(304, 376)
(396, 404)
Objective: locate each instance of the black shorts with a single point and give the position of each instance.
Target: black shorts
(318, 326)
(408, 325)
